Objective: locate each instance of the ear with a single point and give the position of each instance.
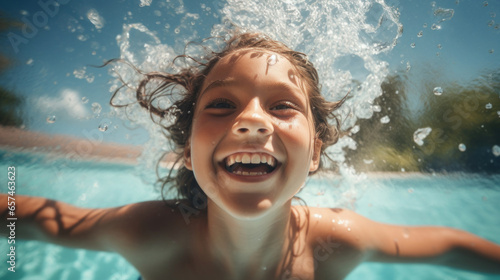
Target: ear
(187, 156)
(316, 155)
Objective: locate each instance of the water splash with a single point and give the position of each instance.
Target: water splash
(95, 18)
(355, 32)
(420, 134)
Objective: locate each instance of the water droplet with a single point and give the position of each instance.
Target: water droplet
(103, 127)
(437, 91)
(485, 3)
(96, 108)
(51, 119)
(439, 46)
(491, 51)
(491, 23)
(272, 59)
(355, 129)
(496, 150)
(177, 30)
(420, 134)
(488, 106)
(420, 34)
(462, 147)
(412, 45)
(85, 100)
(425, 25)
(376, 108)
(435, 27)
(385, 119)
(95, 18)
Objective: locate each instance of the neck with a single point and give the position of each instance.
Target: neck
(246, 245)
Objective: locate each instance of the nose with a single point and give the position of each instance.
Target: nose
(253, 121)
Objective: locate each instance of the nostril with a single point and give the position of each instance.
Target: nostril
(262, 130)
(243, 130)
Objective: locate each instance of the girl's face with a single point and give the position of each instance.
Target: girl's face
(252, 142)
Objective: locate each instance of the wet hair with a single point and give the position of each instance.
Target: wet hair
(186, 86)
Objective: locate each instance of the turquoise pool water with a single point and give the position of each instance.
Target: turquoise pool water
(463, 201)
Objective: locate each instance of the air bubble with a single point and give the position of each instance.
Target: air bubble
(51, 119)
(491, 51)
(85, 100)
(438, 91)
(439, 46)
(177, 30)
(420, 34)
(385, 119)
(412, 45)
(462, 147)
(368, 161)
(273, 59)
(488, 106)
(376, 108)
(491, 23)
(496, 150)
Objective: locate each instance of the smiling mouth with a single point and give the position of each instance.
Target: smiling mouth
(250, 164)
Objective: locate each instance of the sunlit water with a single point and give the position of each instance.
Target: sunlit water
(346, 40)
(462, 201)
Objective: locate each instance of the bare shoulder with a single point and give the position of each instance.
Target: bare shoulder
(343, 225)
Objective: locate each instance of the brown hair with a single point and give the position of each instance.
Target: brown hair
(187, 84)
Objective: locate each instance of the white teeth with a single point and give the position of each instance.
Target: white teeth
(230, 161)
(247, 158)
(255, 158)
(249, 173)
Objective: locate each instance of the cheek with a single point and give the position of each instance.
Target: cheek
(298, 134)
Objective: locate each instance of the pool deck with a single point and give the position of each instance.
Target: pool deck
(15, 139)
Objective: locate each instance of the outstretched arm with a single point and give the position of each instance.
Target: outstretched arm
(57, 222)
(435, 245)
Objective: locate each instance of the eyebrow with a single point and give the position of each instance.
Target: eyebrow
(219, 83)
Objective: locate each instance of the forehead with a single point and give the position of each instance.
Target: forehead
(255, 64)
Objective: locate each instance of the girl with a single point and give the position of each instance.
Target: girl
(250, 126)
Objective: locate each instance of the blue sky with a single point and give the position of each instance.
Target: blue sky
(52, 69)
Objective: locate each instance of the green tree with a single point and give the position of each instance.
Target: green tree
(467, 115)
